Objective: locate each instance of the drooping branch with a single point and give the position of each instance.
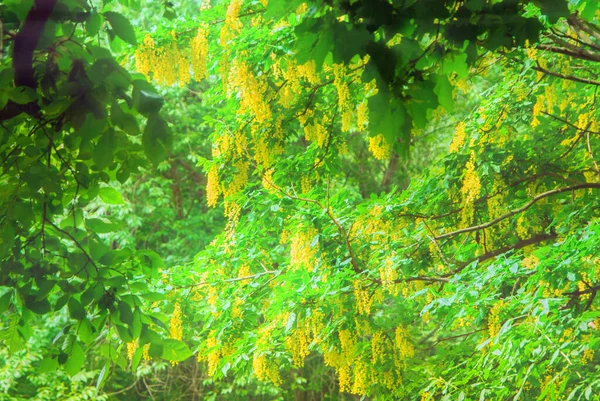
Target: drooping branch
(587, 185)
(539, 68)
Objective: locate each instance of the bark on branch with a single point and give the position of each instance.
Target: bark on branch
(25, 43)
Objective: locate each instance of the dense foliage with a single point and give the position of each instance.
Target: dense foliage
(388, 200)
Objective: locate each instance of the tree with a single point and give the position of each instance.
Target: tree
(473, 281)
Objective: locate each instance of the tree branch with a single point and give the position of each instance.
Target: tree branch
(587, 185)
(24, 46)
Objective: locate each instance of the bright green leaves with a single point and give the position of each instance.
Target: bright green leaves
(75, 360)
(281, 9)
(156, 139)
(86, 332)
(111, 196)
(121, 27)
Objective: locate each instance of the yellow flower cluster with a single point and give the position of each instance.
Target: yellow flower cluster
(471, 184)
(167, 64)
(244, 271)
(264, 370)
(470, 190)
(362, 115)
(364, 300)
(213, 189)
(460, 135)
(146, 352)
(403, 346)
(297, 343)
(530, 262)
(348, 344)
(361, 378)
(302, 254)
(538, 107)
(316, 132)
(199, 49)
(494, 323)
(144, 56)
(131, 348)
(305, 184)
(530, 50)
(380, 147)
(232, 23)
(343, 92)
(388, 275)
(587, 355)
(377, 347)
(212, 355)
(238, 180)
(251, 91)
(315, 322)
(175, 328)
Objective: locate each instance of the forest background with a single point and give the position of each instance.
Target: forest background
(322, 200)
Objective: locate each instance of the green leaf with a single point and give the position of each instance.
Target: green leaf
(136, 359)
(290, 322)
(92, 25)
(47, 365)
(111, 196)
(6, 77)
(57, 107)
(175, 350)
(102, 376)
(125, 313)
(75, 361)
(153, 258)
(85, 331)
(22, 95)
(3, 98)
(124, 120)
(39, 307)
(156, 139)
(116, 256)
(136, 326)
(124, 334)
(121, 26)
(76, 311)
(443, 88)
(147, 102)
(102, 226)
(103, 152)
(5, 301)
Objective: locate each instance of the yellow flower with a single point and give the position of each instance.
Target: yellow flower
(199, 49)
(459, 137)
(212, 186)
(380, 147)
(175, 327)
